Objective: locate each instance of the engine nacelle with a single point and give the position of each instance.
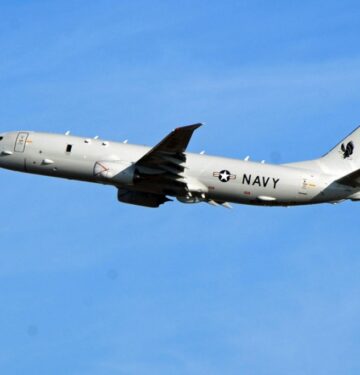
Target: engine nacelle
(117, 171)
(189, 200)
(141, 199)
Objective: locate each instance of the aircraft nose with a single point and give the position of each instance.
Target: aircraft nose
(2, 140)
(4, 144)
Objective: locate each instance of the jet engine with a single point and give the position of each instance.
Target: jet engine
(141, 199)
(117, 171)
(190, 199)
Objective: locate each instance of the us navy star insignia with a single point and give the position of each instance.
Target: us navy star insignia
(224, 175)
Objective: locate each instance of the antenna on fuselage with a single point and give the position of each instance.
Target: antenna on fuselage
(67, 133)
(247, 158)
(96, 137)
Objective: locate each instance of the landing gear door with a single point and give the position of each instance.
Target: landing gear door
(21, 142)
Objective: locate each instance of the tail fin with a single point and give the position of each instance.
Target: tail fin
(345, 157)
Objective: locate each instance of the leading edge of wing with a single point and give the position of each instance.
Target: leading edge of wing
(174, 143)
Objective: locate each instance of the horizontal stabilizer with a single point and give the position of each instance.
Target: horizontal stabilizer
(351, 179)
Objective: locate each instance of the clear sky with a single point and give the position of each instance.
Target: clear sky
(90, 286)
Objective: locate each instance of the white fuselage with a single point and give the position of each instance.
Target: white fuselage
(217, 178)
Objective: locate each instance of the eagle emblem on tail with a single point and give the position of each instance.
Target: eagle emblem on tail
(347, 150)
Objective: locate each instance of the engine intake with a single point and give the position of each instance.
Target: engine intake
(190, 199)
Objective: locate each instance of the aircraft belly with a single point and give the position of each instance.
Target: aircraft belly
(244, 194)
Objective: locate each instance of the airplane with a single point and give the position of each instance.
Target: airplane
(149, 177)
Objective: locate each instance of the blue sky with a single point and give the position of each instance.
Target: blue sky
(90, 286)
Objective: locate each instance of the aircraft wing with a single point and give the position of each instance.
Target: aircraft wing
(352, 179)
(173, 145)
(162, 167)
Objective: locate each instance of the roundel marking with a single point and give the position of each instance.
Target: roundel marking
(224, 175)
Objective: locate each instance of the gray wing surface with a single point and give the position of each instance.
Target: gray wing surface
(173, 145)
(161, 169)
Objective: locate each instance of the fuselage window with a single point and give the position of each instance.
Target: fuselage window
(68, 148)
(1, 138)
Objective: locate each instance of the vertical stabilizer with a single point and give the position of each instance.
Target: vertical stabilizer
(345, 157)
